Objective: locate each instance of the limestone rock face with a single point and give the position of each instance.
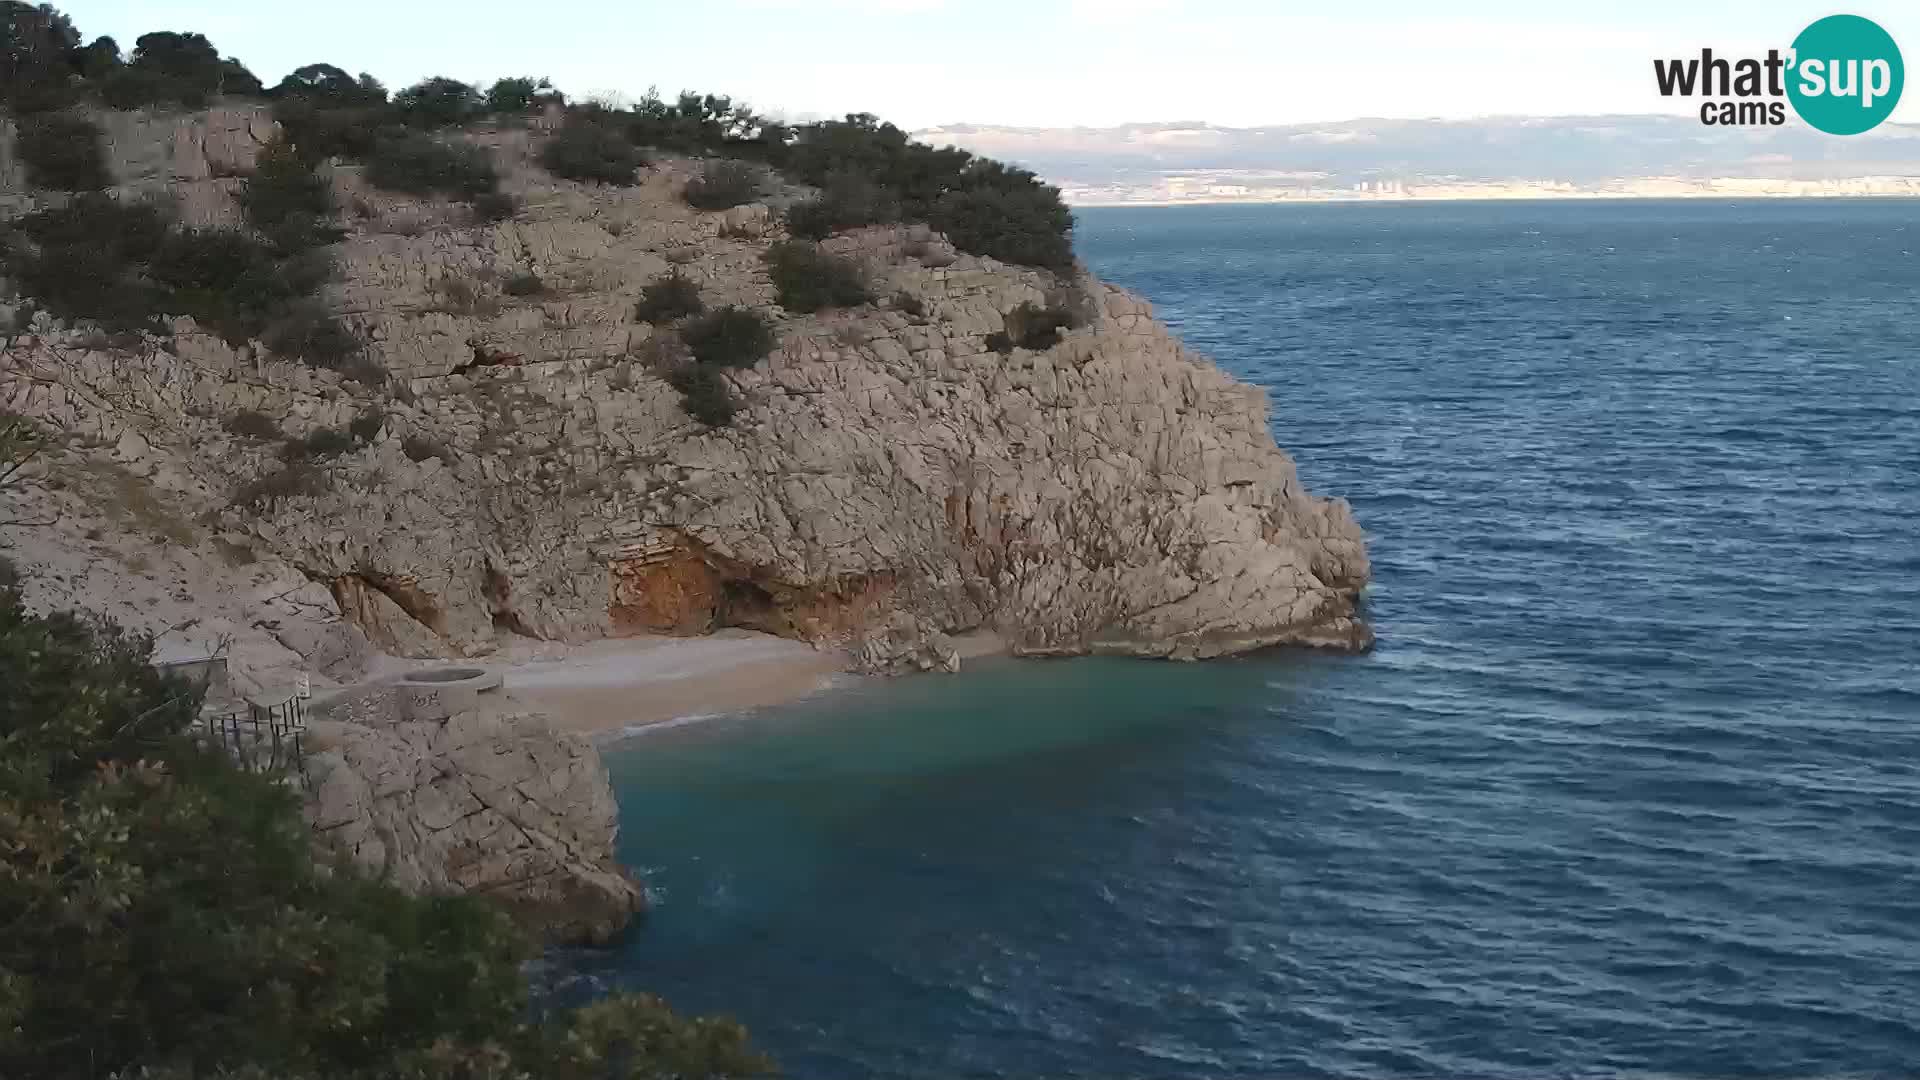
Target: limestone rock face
(194, 161)
(890, 479)
(443, 793)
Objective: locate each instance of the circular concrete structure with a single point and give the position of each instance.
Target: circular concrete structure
(475, 679)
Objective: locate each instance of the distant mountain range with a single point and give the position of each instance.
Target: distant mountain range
(1490, 156)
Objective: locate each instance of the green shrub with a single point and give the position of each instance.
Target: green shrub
(83, 284)
(669, 298)
(321, 127)
(327, 86)
(237, 81)
(591, 152)
(37, 48)
(183, 68)
(984, 206)
(128, 89)
(724, 185)
(494, 206)
(420, 448)
(692, 123)
(128, 231)
(81, 260)
(807, 279)
(462, 296)
(908, 304)
(296, 479)
(224, 278)
(322, 444)
(520, 95)
(62, 151)
(290, 203)
(846, 201)
(253, 425)
(423, 165)
(1029, 227)
(166, 68)
(439, 102)
(704, 394)
(366, 426)
(306, 330)
(524, 285)
(731, 337)
(364, 370)
(99, 59)
(1030, 326)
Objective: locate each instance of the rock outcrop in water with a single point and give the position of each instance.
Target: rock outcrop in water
(890, 481)
(439, 792)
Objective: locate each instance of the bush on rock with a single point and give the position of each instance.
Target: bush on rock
(591, 152)
(423, 165)
(808, 279)
(670, 298)
(62, 151)
(731, 337)
(725, 185)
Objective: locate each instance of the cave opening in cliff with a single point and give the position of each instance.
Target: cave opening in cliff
(745, 604)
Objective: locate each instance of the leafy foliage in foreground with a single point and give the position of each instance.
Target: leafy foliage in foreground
(166, 918)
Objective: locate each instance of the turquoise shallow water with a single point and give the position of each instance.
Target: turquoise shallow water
(1630, 786)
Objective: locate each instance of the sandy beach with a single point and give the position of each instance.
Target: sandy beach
(605, 687)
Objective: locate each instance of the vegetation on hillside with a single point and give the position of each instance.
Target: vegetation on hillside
(671, 297)
(166, 917)
(807, 279)
(261, 283)
(709, 344)
(1031, 326)
(724, 185)
(591, 152)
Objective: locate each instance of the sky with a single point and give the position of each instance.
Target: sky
(1040, 63)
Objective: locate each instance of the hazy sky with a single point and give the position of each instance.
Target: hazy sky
(1031, 62)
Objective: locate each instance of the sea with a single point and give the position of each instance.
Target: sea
(1630, 785)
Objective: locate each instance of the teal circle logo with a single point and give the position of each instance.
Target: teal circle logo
(1847, 74)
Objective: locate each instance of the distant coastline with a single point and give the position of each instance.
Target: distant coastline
(1517, 196)
(1495, 157)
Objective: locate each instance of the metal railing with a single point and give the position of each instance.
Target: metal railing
(266, 738)
(261, 734)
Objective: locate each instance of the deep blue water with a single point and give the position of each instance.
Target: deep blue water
(1631, 784)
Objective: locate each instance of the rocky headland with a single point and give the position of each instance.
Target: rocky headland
(897, 475)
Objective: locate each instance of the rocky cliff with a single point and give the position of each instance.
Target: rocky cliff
(889, 481)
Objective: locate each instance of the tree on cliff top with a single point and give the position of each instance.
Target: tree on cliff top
(439, 102)
(38, 47)
(163, 914)
(520, 94)
(330, 85)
